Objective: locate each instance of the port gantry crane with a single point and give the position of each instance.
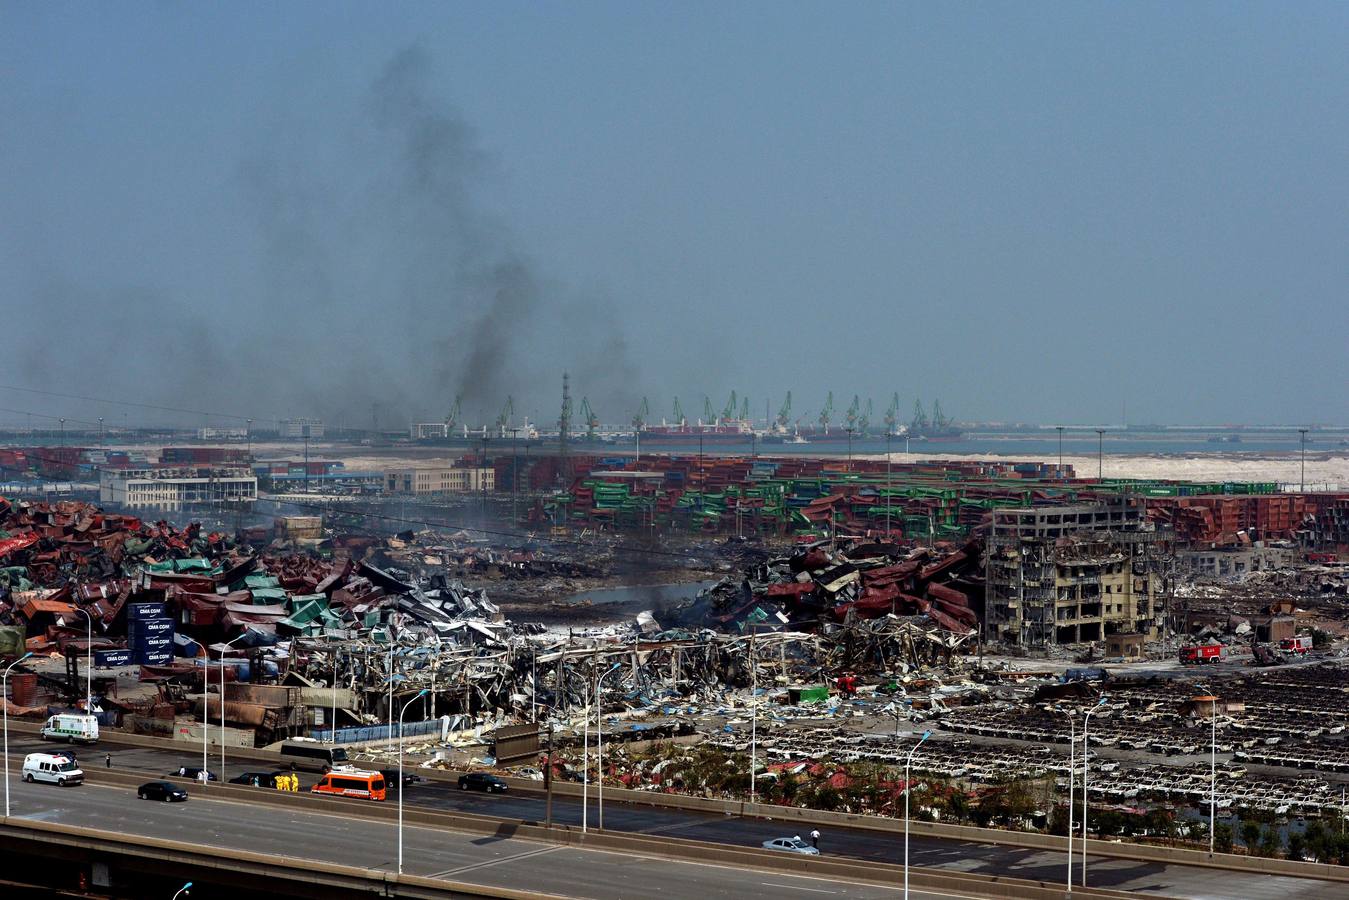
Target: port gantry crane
(853, 412)
(455, 411)
(827, 413)
(503, 422)
(709, 417)
(592, 421)
(679, 418)
(639, 418)
(785, 413)
(728, 412)
(892, 415)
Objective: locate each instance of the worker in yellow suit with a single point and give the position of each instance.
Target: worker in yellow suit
(280, 782)
(294, 782)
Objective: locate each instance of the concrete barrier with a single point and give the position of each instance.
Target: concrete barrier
(332, 875)
(817, 818)
(662, 847)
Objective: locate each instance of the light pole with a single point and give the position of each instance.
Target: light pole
(1100, 454)
(183, 891)
(1072, 774)
(1302, 482)
(1212, 765)
(1085, 719)
(1060, 428)
(400, 776)
(248, 436)
(887, 483)
(89, 658)
(222, 705)
(754, 709)
(332, 723)
(100, 433)
(4, 698)
(908, 789)
(599, 742)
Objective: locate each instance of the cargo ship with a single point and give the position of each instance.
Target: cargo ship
(936, 428)
(735, 432)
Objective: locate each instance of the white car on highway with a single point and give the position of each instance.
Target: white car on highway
(791, 845)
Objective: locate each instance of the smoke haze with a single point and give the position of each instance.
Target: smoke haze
(325, 210)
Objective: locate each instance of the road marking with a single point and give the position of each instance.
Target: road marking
(492, 862)
(794, 887)
(675, 826)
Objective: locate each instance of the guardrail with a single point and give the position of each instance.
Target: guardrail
(230, 864)
(817, 818)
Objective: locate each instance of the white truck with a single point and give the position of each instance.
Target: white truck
(71, 728)
(53, 768)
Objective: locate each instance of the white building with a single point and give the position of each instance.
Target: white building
(439, 480)
(301, 428)
(173, 487)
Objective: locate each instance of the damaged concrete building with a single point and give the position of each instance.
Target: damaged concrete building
(1065, 574)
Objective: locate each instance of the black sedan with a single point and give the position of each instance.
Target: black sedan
(161, 790)
(409, 778)
(256, 779)
(193, 773)
(481, 781)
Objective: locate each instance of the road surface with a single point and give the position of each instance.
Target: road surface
(1195, 882)
(484, 860)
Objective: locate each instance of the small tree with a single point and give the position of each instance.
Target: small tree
(1320, 638)
(1296, 845)
(1270, 842)
(1222, 837)
(1250, 834)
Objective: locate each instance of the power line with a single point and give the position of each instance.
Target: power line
(195, 412)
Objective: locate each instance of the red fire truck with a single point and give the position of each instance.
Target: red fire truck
(1301, 645)
(1201, 654)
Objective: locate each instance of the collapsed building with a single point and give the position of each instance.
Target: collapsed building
(1073, 573)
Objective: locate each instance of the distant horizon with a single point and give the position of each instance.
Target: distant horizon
(1047, 213)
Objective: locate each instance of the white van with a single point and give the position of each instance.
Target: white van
(71, 728)
(52, 768)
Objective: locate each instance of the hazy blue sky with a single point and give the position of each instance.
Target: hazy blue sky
(1031, 211)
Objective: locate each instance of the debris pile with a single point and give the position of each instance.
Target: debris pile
(816, 587)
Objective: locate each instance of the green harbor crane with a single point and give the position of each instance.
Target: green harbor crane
(591, 420)
(827, 413)
(679, 419)
(892, 415)
(785, 413)
(639, 418)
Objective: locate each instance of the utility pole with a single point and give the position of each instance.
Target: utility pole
(1302, 483)
(1100, 454)
(1060, 428)
(248, 436)
(100, 433)
(306, 459)
(515, 471)
(851, 431)
(887, 484)
(63, 432)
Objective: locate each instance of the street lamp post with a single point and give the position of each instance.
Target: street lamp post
(1100, 454)
(1302, 482)
(400, 776)
(222, 704)
(754, 709)
(908, 789)
(4, 699)
(887, 483)
(332, 685)
(1072, 774)
(184, 891)
(1060, 428)
(1212, 764)
(1085, 719)
(599, 742)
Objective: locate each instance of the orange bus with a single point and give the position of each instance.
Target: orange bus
(351, 783)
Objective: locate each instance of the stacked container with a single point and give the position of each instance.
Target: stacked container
(150, 634)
